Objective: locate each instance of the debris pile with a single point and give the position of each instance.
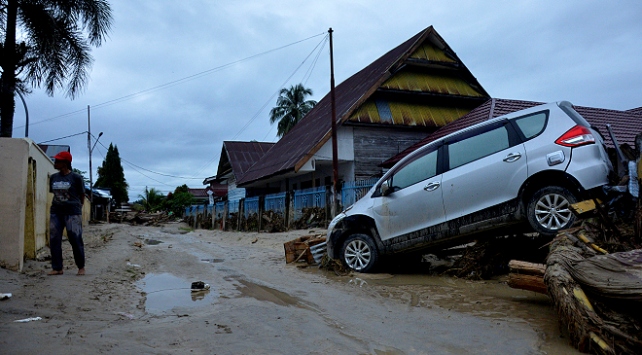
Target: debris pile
(490, 257)
(141, 218)
(311, 217)
(597, 295)
(299, 249)
(251, 223)
(273, 222)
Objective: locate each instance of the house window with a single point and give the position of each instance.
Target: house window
(385, 115)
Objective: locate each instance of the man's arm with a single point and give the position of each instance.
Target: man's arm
(81, 189)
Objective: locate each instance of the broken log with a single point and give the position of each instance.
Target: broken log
(599, 318)
(527, 282)
(527, 276)
(524, 267)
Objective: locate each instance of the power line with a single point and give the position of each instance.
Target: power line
(171, 83)
(57, 139)
(271, 98)
(154, 172)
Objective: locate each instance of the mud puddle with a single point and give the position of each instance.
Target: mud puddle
(165, 292)
(486, 299)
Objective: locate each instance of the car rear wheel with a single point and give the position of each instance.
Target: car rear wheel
(359, 253)
(549, 210)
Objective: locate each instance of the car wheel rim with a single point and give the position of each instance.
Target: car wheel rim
(552, 211)
(357, 255)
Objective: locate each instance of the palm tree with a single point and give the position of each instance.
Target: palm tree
(290, 108)
(152, 200)
(57, 37)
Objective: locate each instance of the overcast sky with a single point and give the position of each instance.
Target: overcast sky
(177, 78)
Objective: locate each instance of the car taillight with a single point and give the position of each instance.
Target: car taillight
(575, 137)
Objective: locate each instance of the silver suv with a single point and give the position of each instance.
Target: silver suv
(527, 166)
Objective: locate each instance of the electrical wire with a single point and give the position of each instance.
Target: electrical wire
(57, 139)
(172, 83)
(321, 44)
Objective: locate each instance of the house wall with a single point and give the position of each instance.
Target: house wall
(345, 146)
(373, 145)
(24, 206)
(25, 202)
(234, 192)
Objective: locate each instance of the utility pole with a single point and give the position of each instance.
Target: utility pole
(335, 159)
(91, 178)
(24, 103)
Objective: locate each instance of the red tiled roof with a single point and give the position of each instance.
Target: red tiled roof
(625, 124)
(198, 193)
(637, 110)
(296, 147)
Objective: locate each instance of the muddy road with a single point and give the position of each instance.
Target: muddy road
(136, 298)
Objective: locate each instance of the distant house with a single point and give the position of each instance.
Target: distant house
(407, 93)
(52, 150)
(624, 124)
(236, 158)
(200, 195)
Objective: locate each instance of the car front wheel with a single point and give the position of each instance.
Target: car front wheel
(549, 210)
(359, 253)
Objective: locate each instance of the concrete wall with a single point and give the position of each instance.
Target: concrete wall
(24, 201)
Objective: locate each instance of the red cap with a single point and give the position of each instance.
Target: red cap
(63, 156)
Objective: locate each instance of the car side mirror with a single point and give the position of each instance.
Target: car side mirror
(385, 188)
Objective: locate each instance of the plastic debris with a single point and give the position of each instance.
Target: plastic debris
(4, 296)
(199, 286)
(27, 320)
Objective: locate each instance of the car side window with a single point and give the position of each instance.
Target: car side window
(478, 146)
(532, 125)
(417, 170)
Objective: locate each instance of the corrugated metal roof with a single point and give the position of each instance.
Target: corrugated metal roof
(625, 124)
(299, 144)
(240, 156)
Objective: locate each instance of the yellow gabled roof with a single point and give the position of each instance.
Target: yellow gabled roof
(433, 83)
(406, 114)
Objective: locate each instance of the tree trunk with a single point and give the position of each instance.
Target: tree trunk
(8, 78)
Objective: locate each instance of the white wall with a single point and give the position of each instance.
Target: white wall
(22, 223)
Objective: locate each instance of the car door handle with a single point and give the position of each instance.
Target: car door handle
(432, 186)
(512, 157)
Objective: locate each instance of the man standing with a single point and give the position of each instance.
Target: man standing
(66, 213)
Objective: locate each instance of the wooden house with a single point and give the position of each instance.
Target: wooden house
(236, 158)
(386, 107)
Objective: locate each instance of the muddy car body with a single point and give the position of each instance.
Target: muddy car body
(521, 169)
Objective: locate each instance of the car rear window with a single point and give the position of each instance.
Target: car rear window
(532, 125)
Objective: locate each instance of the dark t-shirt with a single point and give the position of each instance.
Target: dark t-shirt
(67, 192)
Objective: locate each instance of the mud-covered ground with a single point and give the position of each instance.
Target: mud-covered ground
(136, 299)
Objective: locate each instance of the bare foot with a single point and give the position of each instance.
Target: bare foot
(54, 272)
(81, 272)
